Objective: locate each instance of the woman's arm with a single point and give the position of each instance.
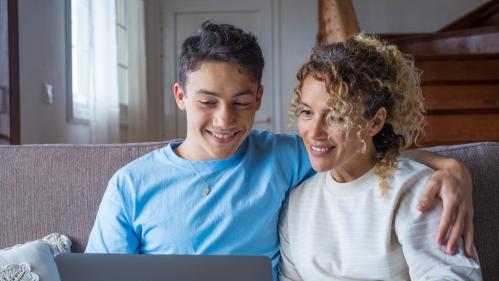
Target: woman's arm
(287, 270)
(452, 183)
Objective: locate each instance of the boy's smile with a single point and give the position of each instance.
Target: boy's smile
(221, 100)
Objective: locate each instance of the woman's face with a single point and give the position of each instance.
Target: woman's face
(328, 145)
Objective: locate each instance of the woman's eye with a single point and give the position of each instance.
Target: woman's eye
(305, 112)
(335, 120)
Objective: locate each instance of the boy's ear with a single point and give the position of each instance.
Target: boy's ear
(180, 96)
(259, 95)
(377, 122)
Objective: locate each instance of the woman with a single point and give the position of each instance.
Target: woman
(358, 104)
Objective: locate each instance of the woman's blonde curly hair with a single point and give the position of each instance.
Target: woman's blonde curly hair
(366, 74)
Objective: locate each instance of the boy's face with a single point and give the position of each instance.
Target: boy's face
(220, 100)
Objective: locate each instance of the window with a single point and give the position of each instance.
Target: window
(80, 63)
(123, 66)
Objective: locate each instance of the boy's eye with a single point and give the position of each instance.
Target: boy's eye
(207, 103)
(241, 104)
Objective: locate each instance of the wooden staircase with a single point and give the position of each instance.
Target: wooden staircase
(460, 80)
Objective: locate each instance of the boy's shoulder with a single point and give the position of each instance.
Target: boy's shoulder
(265, 138)
(145, 164)
(287, 149)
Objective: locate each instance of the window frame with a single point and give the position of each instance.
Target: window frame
(70, 110)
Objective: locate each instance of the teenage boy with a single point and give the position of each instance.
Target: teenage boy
(221, 189)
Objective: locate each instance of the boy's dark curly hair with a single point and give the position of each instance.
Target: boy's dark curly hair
(221, 43)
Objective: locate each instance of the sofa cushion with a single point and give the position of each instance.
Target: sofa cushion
(33, 260)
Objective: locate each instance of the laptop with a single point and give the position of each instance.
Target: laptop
(126, 267)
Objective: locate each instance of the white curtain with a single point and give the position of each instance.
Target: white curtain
(104, 104)
(137, 83)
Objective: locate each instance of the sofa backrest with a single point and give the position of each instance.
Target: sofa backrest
(482, 159)
(58, 188)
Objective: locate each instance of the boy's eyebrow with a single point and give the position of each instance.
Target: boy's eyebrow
(244, 94)
(210, 93)
(206, 92)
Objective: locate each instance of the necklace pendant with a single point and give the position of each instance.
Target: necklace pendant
(206, 190)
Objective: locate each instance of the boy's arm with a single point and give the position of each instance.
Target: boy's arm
(112, 231)
(452, 183)
(415, 231)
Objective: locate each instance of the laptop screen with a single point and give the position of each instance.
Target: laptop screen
(126, 267)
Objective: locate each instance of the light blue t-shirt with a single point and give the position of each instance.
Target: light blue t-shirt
(157, 203)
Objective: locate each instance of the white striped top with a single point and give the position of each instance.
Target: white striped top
(349, 231)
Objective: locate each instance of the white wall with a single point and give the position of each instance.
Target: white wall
(43, 60)
(154, 70)
(299, 26)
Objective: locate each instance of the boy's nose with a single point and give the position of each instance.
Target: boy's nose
(224, 117)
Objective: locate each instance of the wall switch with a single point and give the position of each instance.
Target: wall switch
(47, 95)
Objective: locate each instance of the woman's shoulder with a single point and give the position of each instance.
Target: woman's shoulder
(410, 179)
(409, 169)
(412, 165)
(308, 187)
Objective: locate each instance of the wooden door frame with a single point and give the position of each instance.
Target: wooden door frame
(14, 86)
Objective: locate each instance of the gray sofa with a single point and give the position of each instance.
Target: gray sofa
(58, 188)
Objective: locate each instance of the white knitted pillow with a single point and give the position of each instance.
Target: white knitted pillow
(34, 260)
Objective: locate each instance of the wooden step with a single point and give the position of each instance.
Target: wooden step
(472, 97)
(471, 41)
(460, 128)
(459, 68)
(461, 97)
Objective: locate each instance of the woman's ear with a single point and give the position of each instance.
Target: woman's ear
(377, 122)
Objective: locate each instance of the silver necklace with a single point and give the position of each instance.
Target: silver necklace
(206, 189)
